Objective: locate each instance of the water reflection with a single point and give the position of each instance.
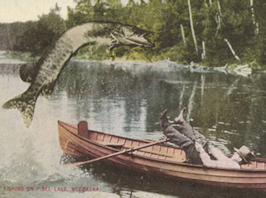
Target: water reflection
(127, 100)
(223, 107)
(128, 184)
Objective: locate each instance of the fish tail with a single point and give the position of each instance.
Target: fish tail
(25, 105)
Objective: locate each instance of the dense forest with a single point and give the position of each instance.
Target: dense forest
(208, 32)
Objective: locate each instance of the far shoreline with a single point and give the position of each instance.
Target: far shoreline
(14, 57)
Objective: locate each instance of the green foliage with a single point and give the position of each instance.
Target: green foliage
(233, 21)
(24, 56)
(10, 32)
(93, 52)
(39, 35)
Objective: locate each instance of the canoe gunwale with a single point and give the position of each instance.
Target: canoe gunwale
(242, 170)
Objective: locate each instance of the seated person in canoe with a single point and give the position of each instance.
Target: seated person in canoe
(197, 148)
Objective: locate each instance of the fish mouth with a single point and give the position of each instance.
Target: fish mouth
(135, 40)
(143, 42)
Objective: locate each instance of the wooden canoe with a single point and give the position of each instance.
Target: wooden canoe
(158, 160)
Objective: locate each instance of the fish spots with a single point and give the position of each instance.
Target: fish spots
(50, 65)
(41, 78)
(54, 66)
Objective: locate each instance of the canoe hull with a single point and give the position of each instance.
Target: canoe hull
(158, 160)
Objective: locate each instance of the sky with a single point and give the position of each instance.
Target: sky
(25, 10)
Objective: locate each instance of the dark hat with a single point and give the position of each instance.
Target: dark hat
(245, 153)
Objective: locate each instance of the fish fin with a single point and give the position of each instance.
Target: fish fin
(25, 105)
(28, 72)
(48, 89)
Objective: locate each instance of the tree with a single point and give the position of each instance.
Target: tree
(83, 12)
(41, 34)
(219, 26)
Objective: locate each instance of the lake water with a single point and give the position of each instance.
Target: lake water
(126, 99)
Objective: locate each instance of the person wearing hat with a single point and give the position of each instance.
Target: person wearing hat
(196, 145)
(241, 156)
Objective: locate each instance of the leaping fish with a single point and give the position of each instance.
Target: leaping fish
(45, 72)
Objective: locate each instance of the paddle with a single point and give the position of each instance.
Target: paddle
(119, 153)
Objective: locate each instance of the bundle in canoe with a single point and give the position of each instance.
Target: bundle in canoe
(158, 160)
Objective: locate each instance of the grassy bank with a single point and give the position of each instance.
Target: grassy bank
(133, 54)
(23, 56)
